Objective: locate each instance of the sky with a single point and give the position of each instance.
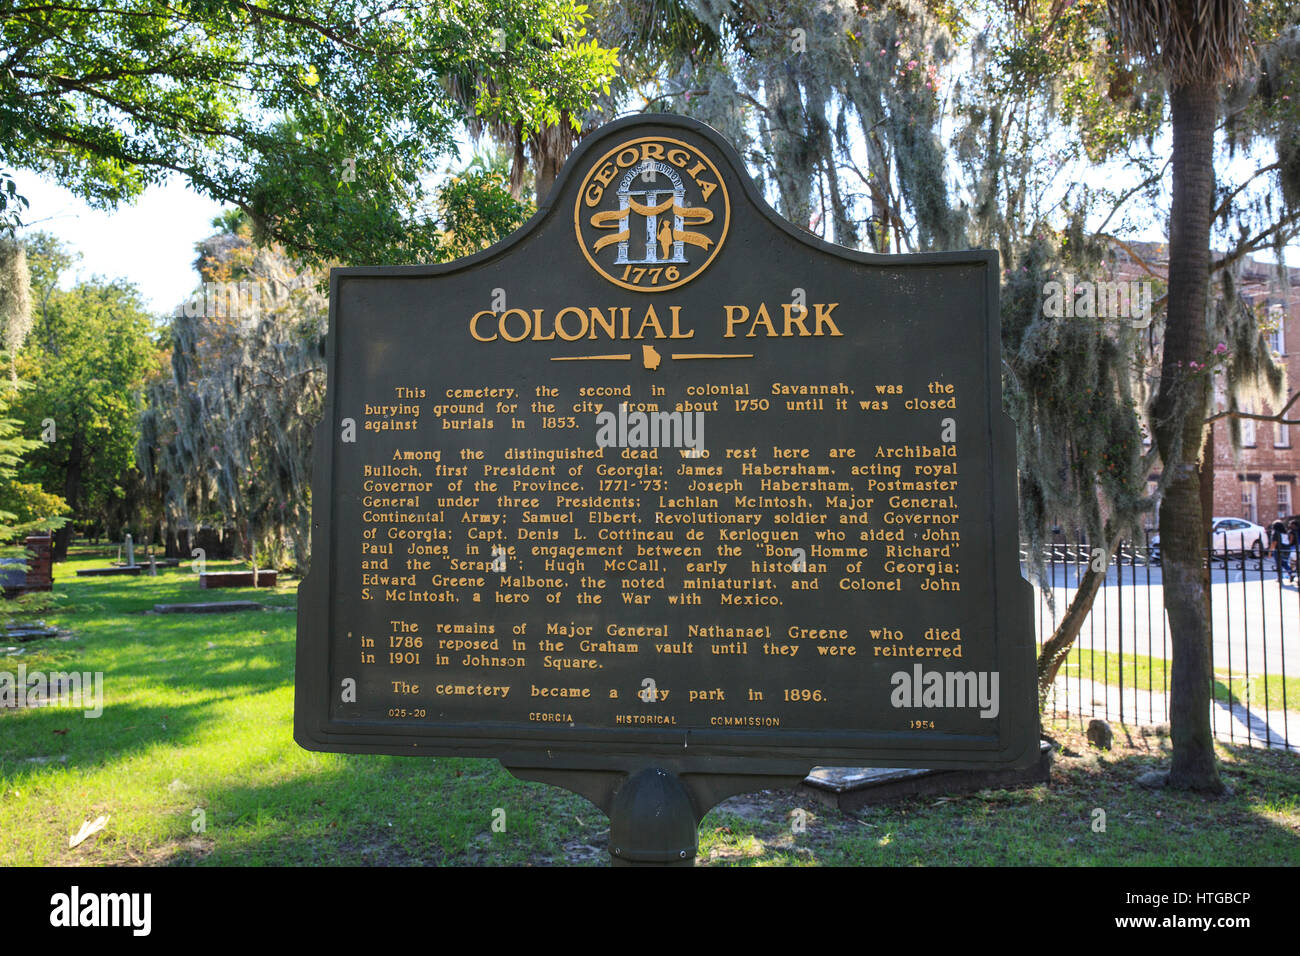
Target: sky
(151, 242)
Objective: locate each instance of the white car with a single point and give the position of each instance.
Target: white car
(1230, 536)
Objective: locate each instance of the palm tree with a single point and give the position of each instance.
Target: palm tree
(1198, 44)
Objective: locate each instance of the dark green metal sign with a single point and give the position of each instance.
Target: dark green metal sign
(663, 480)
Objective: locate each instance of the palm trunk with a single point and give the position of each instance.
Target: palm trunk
(551, 146)
(1179, 426)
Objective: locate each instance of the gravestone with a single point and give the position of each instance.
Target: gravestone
(116, 569)
(238, 579)
(663, 499)
(208, 607)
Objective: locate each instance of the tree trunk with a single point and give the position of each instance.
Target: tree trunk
(71, 494)
(550, 146)
(250, 548)
(1179, 425)
(792, 158)
(846, 233)
(518, 163)
(1057, 647)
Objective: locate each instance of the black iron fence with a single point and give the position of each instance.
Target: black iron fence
(1120, 666)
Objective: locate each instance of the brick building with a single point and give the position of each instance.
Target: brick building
(1260, 483)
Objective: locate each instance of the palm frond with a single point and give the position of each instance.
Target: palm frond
(1193, 41)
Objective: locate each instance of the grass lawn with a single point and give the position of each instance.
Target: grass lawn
(198, 715)
(1154, 672)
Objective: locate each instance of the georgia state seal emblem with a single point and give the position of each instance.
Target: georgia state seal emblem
(652, 213)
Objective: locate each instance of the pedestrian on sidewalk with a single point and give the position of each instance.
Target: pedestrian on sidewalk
(1280, 543)
(1293, 529)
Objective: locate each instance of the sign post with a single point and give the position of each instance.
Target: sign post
(663, 499)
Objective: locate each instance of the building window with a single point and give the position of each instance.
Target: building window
(1248, 427)
(1283, 500)
(1250, 501)
(1281, 435)
(1277, 340)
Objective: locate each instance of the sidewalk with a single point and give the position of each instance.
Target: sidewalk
(1231, 723)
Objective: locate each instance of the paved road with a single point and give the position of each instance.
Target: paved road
(1256, 619)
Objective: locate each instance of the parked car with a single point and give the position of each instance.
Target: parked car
(1229, 536)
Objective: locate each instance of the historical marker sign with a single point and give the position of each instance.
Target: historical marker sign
(662, 478)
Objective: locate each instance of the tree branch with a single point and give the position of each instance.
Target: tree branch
(1227, 200)
(1142, 263)
(1276, 417)
(1246, 247)
(1154, 178)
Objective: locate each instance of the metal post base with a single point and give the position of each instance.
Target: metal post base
(655, 811)
(652, 821)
